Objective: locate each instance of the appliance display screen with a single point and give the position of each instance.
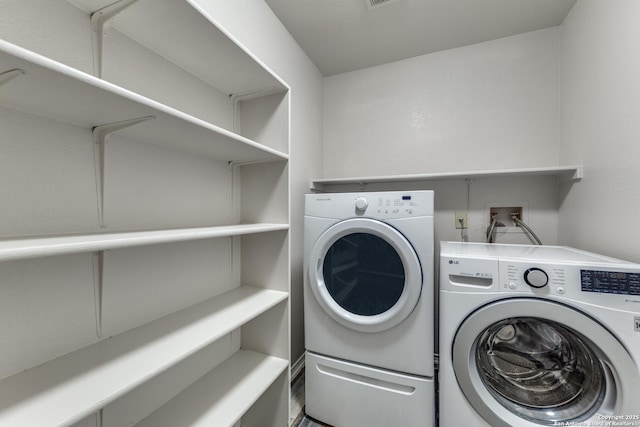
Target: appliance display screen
(610, 282)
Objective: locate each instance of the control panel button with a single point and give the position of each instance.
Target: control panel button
(561, 290)
(536, 277)
(361, 204)
(513, 286)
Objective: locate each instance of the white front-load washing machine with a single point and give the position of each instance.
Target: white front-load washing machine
(537, 336)
(368, 308)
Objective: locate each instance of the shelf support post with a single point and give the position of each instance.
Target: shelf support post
(9, 75)
(98, 280)
(236, 98)
(100, 20)
(236, 178)
(100, 138)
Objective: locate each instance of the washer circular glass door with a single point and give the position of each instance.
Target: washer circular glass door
(520, 360)
(365, 274)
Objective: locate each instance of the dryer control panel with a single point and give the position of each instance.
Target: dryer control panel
(383, 206)
(376, 205)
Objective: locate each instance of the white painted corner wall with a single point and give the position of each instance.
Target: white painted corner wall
(600, 126)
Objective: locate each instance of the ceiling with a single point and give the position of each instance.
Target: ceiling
(347, 35)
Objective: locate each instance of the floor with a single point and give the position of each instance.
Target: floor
(296, 412)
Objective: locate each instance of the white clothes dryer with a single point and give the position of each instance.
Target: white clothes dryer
(537, 336)
(368, 301)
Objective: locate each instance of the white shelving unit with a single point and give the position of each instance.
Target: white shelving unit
(70, 387)
(569, 173)
(144, 245)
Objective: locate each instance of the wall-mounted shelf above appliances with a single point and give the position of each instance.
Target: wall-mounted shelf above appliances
(563, 173)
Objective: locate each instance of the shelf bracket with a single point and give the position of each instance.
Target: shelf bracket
(9, 75)
(100, 20)
(100, 137)
(575, 176)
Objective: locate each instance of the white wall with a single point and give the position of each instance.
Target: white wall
(253, 23)
(492, 105)
(600, 126)
(489, 105)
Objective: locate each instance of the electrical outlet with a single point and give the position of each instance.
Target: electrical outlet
(461, 220)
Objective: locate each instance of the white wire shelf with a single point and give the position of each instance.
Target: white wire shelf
(66, 389)
(24, 248)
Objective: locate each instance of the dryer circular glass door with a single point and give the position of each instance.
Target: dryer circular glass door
(365, 274)
(531, 360)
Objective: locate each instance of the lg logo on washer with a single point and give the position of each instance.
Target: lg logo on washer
(452, 261)
(637, 323)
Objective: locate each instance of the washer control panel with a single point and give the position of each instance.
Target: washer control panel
(528, 271)
(610, 282)
(522, 277)
(568, 280)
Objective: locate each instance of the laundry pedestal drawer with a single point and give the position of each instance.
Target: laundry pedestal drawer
(346, 394)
